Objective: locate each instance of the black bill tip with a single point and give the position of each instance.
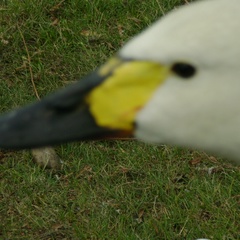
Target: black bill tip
(59, 118)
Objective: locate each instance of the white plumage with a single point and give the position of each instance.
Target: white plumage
(203, 111)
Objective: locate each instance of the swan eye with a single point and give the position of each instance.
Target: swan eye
(184, 70)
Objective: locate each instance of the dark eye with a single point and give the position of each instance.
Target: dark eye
(184, 70)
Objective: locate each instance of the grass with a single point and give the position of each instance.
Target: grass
(107, 189)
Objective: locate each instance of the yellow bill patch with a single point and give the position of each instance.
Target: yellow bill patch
(115, 102)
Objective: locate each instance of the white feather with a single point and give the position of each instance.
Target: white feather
(204, 111)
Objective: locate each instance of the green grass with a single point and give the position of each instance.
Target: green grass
(106, 190)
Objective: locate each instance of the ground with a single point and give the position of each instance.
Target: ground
(106, 189)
